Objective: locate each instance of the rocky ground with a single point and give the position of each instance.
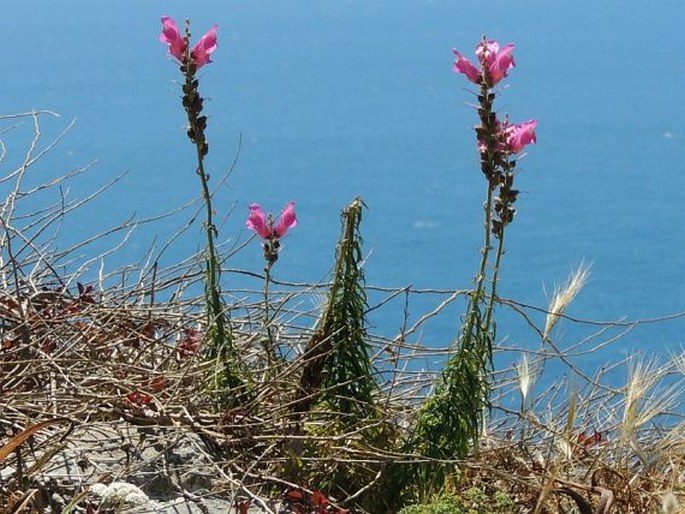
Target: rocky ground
(138, 470)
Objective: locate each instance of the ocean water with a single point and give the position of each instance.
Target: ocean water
(331, 100)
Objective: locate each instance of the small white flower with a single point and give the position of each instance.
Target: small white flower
(120, 493)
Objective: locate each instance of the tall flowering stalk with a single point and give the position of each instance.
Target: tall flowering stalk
(271, 232)
(220, 339)
(451, 421)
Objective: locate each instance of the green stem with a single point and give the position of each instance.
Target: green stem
(215, 316)
(495, 277)
(488, 166)
(215, 313)
(505, 204)
(268, 341)
(487, 235)
(476, 298)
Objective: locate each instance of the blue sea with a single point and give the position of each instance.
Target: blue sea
(329, 100)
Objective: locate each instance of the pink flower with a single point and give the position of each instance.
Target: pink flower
(463, 65)
(264, 227)
(172, 37)
(203, 49)
(286, 220)
(512, 137)
(520, 135)
(257, 221)
(494, 63)
(177, 43)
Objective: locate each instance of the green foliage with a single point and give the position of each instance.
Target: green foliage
(443, 505)
(343, 472)
(470, 501)
(338, 374)
(229, 379)
(338, 385)
(451, 420)
(348, 381)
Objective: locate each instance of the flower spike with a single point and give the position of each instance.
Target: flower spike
(271, 232)
(495, 63)
(201, 52)
(264, 226)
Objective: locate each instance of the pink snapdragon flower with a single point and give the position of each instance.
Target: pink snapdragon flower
(260, 223)
(495, 62)
(204, 48)
(519, 135)
(172, 37)
(513, 137)
(200, 53)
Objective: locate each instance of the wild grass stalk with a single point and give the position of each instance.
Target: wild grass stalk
(563, 295)
(526, 375)
(644, 403)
